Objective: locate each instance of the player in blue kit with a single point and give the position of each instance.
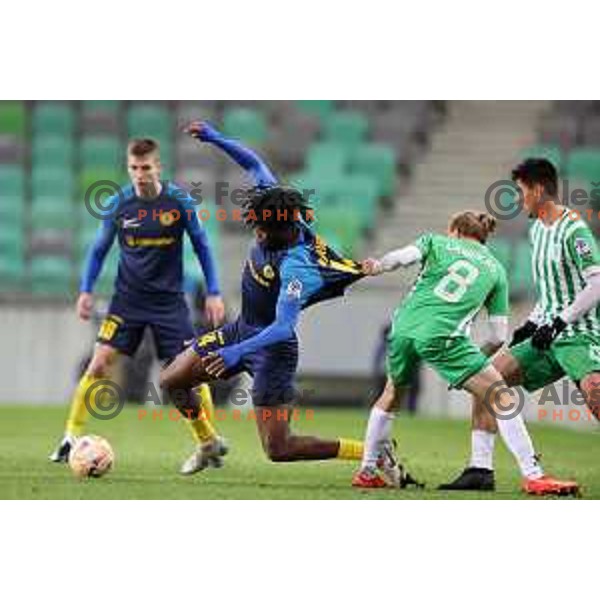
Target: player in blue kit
(288, 269)
(149, 218)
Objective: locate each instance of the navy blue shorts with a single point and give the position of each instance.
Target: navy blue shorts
(273, 368)
(124, 325)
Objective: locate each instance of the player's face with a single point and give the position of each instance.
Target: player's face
(532, 195)
(144, 172)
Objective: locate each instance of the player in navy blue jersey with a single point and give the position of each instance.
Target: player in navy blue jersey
(288, 269)
(149, 219)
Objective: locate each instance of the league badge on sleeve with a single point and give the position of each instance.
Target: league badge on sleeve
(294, 289)
(582, 247)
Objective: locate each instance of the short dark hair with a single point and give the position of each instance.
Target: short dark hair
(537, 171)
(142, 146)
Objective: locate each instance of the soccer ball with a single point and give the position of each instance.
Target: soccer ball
(91, 456)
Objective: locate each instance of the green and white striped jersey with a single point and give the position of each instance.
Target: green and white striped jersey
(563, 253)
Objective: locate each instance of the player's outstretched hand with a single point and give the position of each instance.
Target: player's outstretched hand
(85, 306)
(200, 130)
(214, 365)
(371, 266)
(214, 310)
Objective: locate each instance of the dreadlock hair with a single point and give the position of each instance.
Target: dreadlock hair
(277, 210)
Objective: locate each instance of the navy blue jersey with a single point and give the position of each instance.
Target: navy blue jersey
(310, 268)
(150, 236)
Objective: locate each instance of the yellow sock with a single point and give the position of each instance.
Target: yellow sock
(350, 449)
(202, 428)
(206, 402)
(79, 413)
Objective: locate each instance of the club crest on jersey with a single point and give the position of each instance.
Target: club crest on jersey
(167, 218)
(267, 272)
(582, 247)
(294, 289)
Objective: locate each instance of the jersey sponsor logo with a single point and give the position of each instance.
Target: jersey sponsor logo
(294, 289)
(582, 247)
(130, 223)
(158, 242)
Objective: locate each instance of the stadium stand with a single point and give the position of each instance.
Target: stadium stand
(354, 154)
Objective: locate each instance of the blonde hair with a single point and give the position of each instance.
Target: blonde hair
(472, 223)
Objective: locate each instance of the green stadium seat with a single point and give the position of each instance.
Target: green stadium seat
(340, 229)
(325, 158)
(13, 118)
(53, 212)
(377, 161)
(53, 182)
(101, 152)
(53, 118)
(149, 120)
(12, 211)
(12, 273)
(319, 190)
(12, 238)
(552, 153)
(51, 276)
(320, 108)
(52, 151)
(502, 250)
(12, 180)
(584, 163)
(246, 124)
(89, 180)
(358, 194)
(346, 127)
(100, 106)
(520, 275)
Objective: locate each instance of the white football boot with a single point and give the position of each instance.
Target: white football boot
(207, 455)
(62, 451)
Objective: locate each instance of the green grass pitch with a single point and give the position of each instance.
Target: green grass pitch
(149, 454)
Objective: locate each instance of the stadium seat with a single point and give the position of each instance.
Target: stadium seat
(101, 152)
(12, 210)
(584, 163)
(290, 140)
(377, 161)
(340, 229)
(245, 124)
(52, 182)
(89, 179)
(149, 120)
(327, 157)
(347, 127)
(53, 118)
(53, 212)
(12, 273)
(12, 149)
(320, 108)
(100, 106)
(520, 275)
(357, 194)
(550, 152)
(13, 118)
(12, 180)
(12, 236)
(52, 151)
(51, 275)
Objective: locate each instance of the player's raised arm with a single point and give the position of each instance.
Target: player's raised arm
(246, 158)
(93, 266)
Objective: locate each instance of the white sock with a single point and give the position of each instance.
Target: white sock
(516, 437)
(379, 428)
(482, 449)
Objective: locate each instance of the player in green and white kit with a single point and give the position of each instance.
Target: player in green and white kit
(459, 276)
(562, 335)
